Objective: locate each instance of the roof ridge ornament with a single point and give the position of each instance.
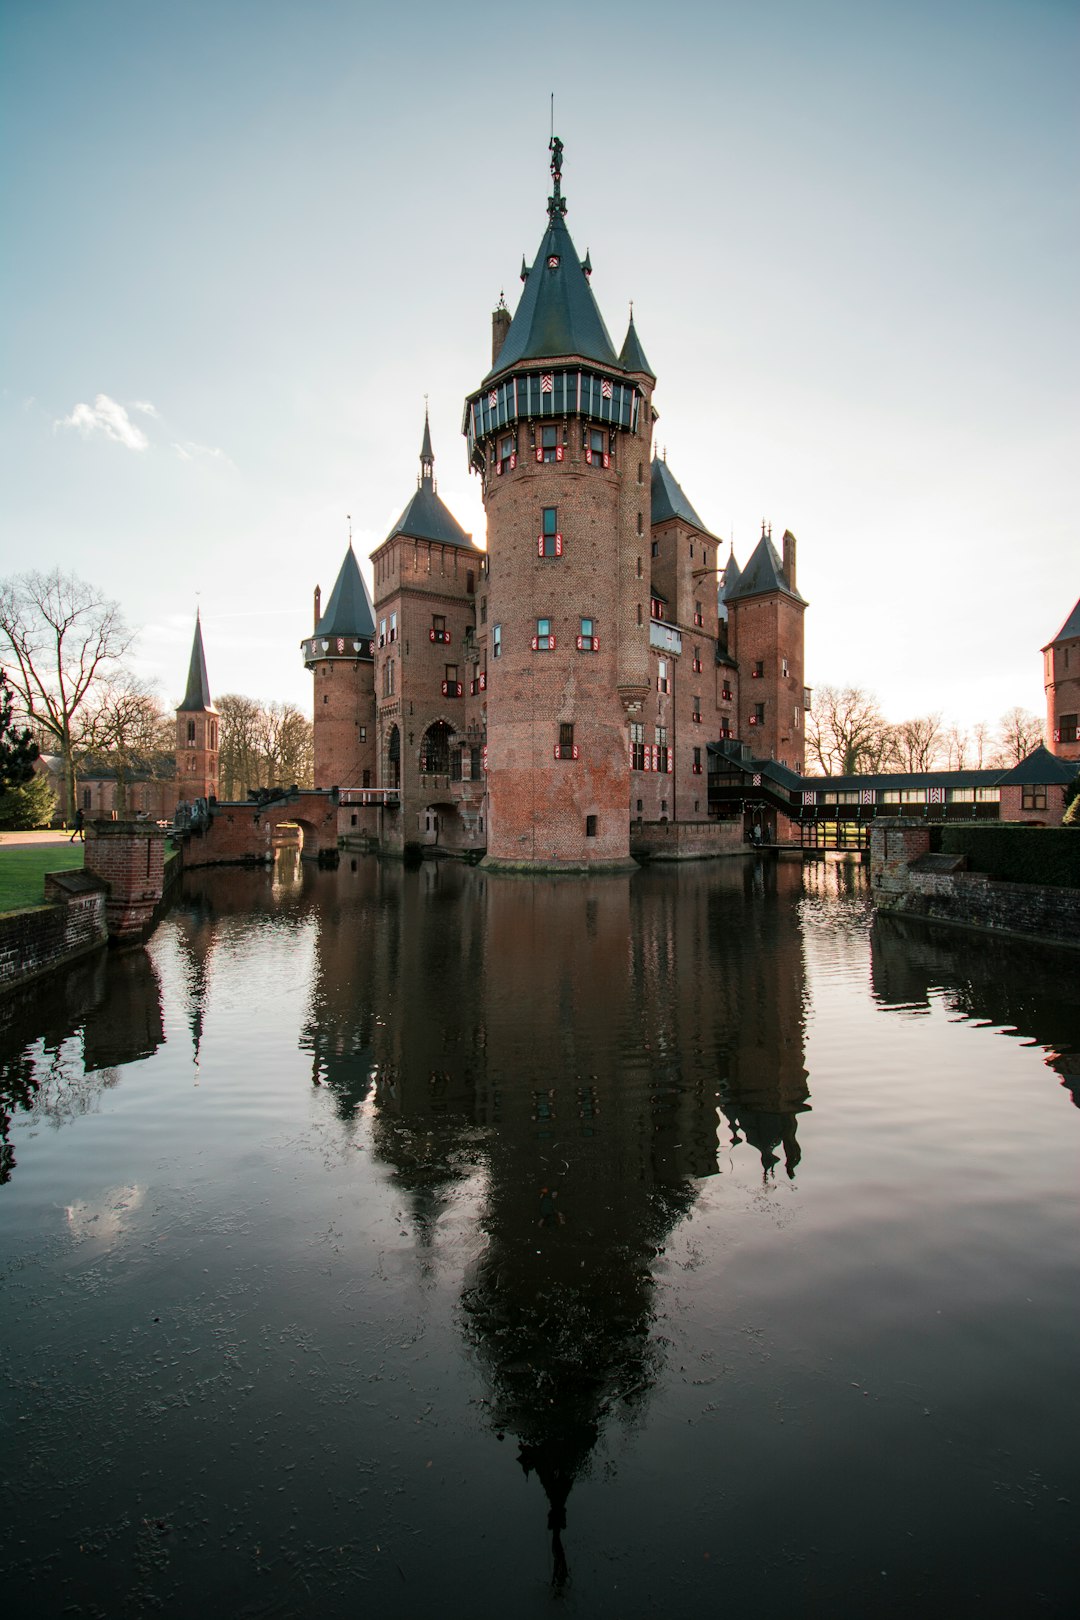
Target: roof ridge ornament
(556, 202)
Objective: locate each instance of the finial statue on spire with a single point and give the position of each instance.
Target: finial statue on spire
(556, 202)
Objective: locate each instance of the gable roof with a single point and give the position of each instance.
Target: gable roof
(763, 573)
(349, 611)
(1069, 629)
(668, 499)
(1041, 768)
(557, 313)
(197, 699)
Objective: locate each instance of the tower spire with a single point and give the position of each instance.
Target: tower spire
(556, 202)
(427, 454)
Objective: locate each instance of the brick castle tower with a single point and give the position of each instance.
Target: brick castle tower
(340, 655)
(560, 433)
(765, 636)
(1061, 678)
(197, 730)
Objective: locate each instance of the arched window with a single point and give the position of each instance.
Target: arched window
(435, 750)
(393, 758)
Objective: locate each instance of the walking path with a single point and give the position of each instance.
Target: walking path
(47, 835)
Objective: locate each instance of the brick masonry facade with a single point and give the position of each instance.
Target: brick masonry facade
(1061, 677)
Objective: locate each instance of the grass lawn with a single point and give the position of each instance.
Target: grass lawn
(22, 868)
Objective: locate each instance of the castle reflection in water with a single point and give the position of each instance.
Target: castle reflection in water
(583, 1050)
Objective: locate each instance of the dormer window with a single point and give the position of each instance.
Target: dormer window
(553, 261)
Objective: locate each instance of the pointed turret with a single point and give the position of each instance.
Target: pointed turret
(632, 355)
(765, 571)
(426, 517)
(557, 313)
(197, 698)
(349, 614)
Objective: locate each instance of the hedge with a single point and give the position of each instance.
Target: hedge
(1017, 854)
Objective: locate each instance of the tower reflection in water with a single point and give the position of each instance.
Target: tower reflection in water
(582, 1044)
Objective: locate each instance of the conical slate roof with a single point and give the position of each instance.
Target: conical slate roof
(349, 611)
(557, 313)
(1069, 629)
(668, 500)
(197, 699)
(426, 517)
(763, 573)
(632, 355)
(732, 576)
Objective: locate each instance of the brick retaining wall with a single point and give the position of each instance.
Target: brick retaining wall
(906, 879)
(686, 840)
(38, 939)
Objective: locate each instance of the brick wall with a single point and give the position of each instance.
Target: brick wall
(903, 880)
(686, 840)
(343, 722)
(128, 856)
(243, 832)
(768, 630)
(1062, 679)
(39, 939)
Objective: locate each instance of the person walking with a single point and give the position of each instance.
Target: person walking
(78, 833)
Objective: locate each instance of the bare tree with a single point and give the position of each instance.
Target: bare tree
(124, 725)
(846, 733)
(263, 745)
(1020, 732)
(916, 745)
(238, 755)
(957, 745)
(65, 637)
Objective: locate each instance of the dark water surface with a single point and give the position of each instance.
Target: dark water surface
(438, 1243)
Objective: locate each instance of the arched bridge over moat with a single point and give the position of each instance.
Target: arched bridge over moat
(226, 832)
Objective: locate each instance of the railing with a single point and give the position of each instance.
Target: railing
(370, 796)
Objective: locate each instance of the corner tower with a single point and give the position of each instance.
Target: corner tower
(765, 636)
(339, 654)
(197, 730)
(1061, 677)
(560, 433)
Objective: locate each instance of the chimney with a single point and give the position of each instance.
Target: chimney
(318, 607)
(789, 559)
(500, 325)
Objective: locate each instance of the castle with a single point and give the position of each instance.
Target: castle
(534, 699)
(597, 681)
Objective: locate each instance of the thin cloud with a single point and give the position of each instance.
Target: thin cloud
(189, 451)
(107, 417)
(145, 406)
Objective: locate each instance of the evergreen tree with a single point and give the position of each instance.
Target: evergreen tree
(18, 750)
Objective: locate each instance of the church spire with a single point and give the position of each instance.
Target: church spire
(197, 697)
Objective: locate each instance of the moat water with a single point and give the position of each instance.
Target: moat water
(429, 1242)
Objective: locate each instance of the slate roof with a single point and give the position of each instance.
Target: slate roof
(197, 699)
(764, 572)
(426, 517)
(668, 499)
(1041, 768)
(1070, 628)
(349, 611)
(732, 575)
(557, 313)
(632, 355)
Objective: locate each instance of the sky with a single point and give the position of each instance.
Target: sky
(245, 240)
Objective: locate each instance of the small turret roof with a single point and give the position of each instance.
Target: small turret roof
(426, 517)
(1069, 629)
(763, 573)
(197, 699)
(632, 355)
(668, 499)
(349, 611)
(732, 576)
